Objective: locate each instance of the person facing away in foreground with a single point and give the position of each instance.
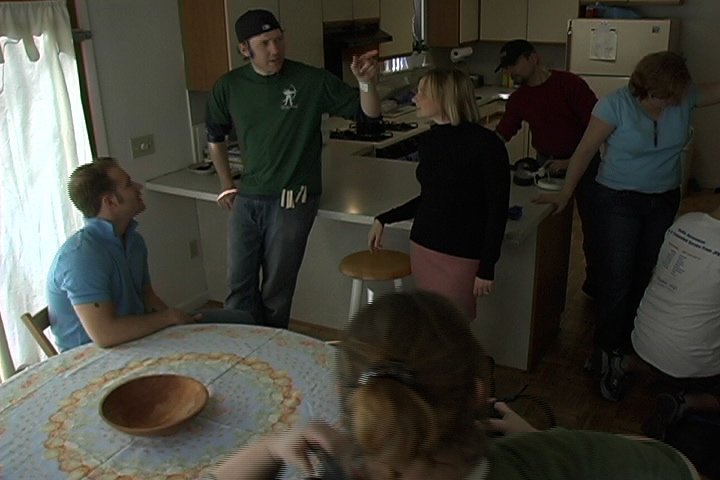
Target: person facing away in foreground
(98, 286)
(275, 105)
(411, 380)
(557, 106)
(461, 212)
(636, 196)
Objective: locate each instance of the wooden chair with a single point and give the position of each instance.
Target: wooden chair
(37, 324)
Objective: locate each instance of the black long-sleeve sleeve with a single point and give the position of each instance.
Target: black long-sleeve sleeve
(406, 211)
(464, 176)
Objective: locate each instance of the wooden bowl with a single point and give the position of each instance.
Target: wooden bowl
(154, 404)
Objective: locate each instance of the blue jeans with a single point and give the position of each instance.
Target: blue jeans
(631, 228)
(263, 236)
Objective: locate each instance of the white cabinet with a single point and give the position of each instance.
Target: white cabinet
(503, 19)
(302, 23)
(344, 10)
(548, 19)
(542, 21)
(365, 9)
(396, 18)
(452, 22)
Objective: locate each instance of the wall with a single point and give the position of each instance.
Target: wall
(700, 39)
(141, 76)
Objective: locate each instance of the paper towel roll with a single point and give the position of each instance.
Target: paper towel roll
(457, 54)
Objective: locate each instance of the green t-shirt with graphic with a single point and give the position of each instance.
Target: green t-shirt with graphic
(277, 119)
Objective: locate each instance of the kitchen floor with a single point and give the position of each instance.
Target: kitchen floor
(559, 379)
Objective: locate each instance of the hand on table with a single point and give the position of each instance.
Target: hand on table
(178, 317)
(375, 236)
(365, 67)
(558, 200)
(294, 447)
(510, 422)
(483, 287)
(555, 166)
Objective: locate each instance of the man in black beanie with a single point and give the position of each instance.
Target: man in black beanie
(275, 106)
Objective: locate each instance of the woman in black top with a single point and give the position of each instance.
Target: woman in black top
(460, 214)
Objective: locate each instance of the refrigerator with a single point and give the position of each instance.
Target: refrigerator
(604, 51)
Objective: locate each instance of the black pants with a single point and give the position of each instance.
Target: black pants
(630, 230)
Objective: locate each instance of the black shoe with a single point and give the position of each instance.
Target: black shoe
(669, 409)
(612, 382)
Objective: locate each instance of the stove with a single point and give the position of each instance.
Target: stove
(385, 132)
(399, 126)
(351, 134)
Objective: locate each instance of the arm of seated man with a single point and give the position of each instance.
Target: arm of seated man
(106, 329)
(152, 302)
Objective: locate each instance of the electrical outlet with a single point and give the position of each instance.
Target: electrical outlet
(194, 248)
(142, 146)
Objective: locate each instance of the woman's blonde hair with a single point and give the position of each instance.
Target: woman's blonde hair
(660, 74)
(407, 368)
(455, 92)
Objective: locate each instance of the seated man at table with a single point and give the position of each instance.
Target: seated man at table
(99, 286)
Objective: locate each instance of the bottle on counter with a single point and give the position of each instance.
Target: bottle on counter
(507, 80)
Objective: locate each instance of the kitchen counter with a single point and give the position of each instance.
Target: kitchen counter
(489, 100)
(515, 323)
(356, 188)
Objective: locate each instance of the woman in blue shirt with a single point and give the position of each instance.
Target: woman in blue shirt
(645, 126)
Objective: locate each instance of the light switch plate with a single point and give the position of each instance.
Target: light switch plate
(142, 146)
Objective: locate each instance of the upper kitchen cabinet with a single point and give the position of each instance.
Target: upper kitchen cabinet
(211, 46)
(452, 22)
(366, 9)
(204, 42)
(503, 19)
(634, 2)
(396, 18)
(344, 10)
(542, 21)
(301, 21)
(548, 19)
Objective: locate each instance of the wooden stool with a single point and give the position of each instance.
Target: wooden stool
(379, 265)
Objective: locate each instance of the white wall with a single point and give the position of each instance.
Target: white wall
(700, 37)
(140, 68)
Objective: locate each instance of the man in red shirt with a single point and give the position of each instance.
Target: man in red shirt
(557, 106)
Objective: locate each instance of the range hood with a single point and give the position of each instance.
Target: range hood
(344, 39)
(354, 34)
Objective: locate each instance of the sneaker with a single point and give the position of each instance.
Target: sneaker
(612, 382)
(669, 409)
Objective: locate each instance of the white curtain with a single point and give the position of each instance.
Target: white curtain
(43, 138)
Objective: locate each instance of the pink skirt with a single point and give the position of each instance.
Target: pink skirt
(448, 275)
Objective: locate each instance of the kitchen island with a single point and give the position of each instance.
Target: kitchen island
(515, 323)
